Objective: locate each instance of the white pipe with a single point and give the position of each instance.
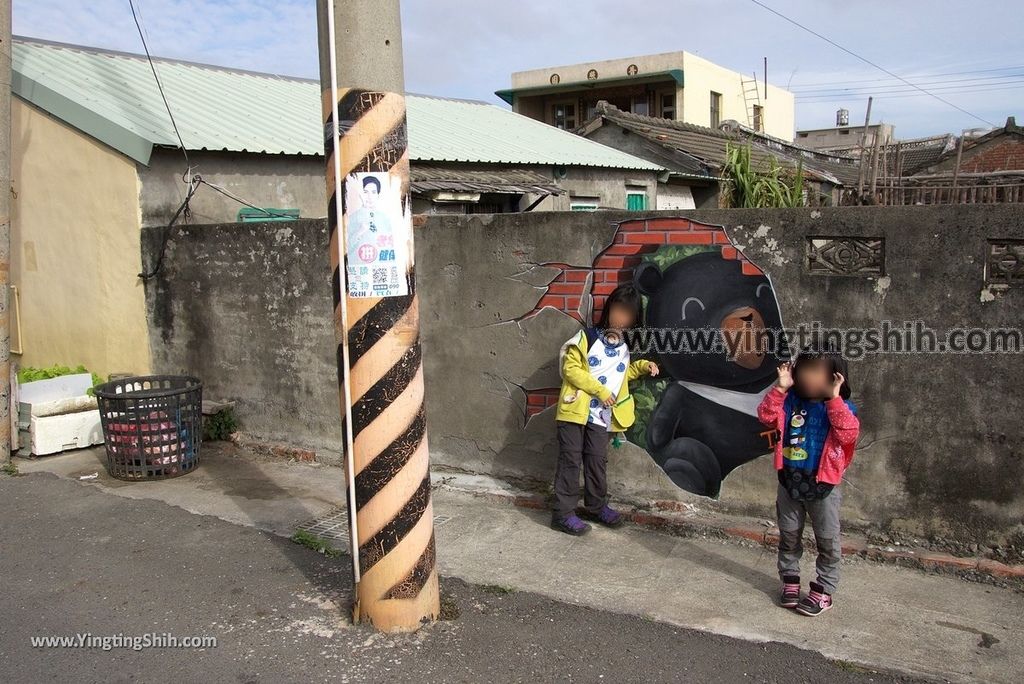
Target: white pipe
(350, 453)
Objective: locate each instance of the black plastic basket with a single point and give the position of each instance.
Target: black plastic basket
(152, 425)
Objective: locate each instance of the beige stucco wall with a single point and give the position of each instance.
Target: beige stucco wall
(75, 248)
(701, 77)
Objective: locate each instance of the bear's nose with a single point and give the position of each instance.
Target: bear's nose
(743, 330)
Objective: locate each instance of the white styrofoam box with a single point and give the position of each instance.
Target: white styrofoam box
(63, 387)
(51, 434)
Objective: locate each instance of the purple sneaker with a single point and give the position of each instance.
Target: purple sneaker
(607, 516)
(570, 525)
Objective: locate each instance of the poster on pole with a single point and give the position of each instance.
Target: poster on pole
(378, 233)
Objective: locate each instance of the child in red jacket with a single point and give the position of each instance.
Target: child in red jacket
(818, 429)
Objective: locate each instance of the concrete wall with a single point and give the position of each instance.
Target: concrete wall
(940, 450)
(298, 182)
(75, 248)
(279, 181)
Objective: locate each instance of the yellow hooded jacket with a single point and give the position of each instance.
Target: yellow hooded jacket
(577, 379)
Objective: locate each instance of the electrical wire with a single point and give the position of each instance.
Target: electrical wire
(935, 85)
(870, 63)
(213, 186)
(166, 236)
(878, 80)
(948, 90)
(160, 87)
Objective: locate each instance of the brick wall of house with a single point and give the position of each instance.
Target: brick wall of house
(1003, 154)
(614, 266)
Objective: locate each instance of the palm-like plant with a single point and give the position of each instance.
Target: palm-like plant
(747, 187)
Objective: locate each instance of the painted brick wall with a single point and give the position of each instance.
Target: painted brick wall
(614, 266)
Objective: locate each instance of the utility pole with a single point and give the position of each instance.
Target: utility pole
(863, 151)
(5, 230)
(376, 313)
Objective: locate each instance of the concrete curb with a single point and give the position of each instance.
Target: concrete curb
(669, 515)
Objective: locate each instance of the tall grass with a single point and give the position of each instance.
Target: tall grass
(773, 186)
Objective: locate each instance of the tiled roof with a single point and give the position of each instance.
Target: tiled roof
(112, 96)
(427, 177)
(706, 147)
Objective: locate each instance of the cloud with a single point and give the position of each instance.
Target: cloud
(465, 48)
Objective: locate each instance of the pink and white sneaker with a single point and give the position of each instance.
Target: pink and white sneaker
(790, 591)
(816, 602)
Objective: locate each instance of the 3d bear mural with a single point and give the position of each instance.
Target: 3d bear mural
(697, 420)
(705, 423)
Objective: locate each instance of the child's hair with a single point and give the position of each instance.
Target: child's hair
(627, 296)
(834, 360)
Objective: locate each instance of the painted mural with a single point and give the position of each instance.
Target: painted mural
(706, 310)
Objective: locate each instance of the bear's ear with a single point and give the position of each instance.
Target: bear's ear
(647, 278)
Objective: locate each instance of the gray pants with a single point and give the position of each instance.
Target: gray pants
(586, 446)
(824, 514)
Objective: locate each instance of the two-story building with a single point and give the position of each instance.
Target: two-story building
(679, 86)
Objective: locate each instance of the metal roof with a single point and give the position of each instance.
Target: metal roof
(113, 97)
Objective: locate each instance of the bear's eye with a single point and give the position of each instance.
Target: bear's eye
(760, 288)
(691, 300)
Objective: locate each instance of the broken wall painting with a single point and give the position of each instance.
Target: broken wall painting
(706, 308)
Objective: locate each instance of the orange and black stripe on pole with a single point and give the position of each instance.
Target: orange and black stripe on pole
(380, 370)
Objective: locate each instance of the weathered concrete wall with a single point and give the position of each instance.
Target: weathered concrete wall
(940, 449)
(247, 308)
(279, 181)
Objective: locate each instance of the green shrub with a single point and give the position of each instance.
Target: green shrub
(220, 425)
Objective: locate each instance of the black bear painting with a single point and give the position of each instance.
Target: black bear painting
(710, 317)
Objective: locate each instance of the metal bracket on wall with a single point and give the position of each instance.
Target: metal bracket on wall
(845, 256)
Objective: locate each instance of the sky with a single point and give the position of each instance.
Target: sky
(968, 53)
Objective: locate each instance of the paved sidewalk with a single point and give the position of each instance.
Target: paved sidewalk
(886, 617)
(77, 560)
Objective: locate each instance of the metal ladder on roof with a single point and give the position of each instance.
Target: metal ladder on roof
(751, 98)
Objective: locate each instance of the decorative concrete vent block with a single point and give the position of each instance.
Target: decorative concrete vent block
(846, 256)
(1005, 263)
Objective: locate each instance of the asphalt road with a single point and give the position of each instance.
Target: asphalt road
(75, 560)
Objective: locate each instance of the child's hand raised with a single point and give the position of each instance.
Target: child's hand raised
(837, 384)
(653, 370)
(785, 380)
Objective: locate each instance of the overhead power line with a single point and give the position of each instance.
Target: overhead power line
(870, 63)
(933, 85)
(936, 75)
(159, 85)
(909, 93)
(948, 90)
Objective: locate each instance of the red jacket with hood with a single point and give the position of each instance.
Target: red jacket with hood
(842, 434)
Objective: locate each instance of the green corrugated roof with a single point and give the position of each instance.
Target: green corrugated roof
(112, 96)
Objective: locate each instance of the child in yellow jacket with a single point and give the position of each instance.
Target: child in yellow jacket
(593, 403)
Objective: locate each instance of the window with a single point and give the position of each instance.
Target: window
(716, 109)
(668, 106)
(563, 115)
(584, 203)
(758, 118)
(640, 105)
(636, 200)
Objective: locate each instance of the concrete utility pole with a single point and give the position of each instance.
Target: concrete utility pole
(863, 151)
(379, 363)
(5, 230)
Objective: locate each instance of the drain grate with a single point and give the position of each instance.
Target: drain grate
(334, 525)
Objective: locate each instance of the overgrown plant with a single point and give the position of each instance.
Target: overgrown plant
(750, 188)
(220, 425)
